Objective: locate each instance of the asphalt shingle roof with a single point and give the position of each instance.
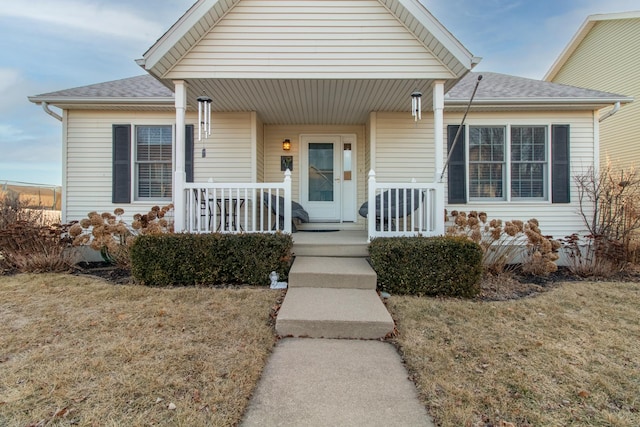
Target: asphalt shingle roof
(504, 87)
(494, 86)
(144, 86)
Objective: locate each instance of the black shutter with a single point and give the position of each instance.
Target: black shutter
(457, 176)
(121, 171)
(188, 152)
(560, 165)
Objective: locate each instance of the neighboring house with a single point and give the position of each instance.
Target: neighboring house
(604, 55)
(334, 79)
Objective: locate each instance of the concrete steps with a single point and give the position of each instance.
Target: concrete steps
(331, 272)
(344, 243)
(330, 297)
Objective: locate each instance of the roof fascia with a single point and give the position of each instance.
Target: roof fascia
(539, 101)
(582, 32)
(53, 100)
(177, 31)
(439, 31)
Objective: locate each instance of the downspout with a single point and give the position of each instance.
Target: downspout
(611, 112)
(53, 114)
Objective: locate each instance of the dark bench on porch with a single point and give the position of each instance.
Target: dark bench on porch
(277, 207)
(400, 207)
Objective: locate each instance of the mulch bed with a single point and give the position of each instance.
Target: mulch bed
(104, 270)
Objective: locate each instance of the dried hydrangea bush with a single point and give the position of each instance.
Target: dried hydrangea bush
(113, 237)
(510, 245)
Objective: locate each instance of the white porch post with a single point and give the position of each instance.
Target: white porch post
(438, 126)
(287, 202)
(371, 214)
(179, 175)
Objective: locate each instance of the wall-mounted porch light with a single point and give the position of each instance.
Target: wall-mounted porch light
(416, 105)
(286, 145)
(204, 120)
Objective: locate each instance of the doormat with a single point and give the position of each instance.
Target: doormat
(318, 231)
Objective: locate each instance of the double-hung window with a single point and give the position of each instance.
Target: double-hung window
(486, 162)
(508, 161)
(529, 162)
(153, 156)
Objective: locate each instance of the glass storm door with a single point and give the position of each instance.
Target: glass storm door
(321, 181)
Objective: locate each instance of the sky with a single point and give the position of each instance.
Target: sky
(54, 45)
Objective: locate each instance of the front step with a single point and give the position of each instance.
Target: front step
(333, 313)
(331, 272)
(344, 243)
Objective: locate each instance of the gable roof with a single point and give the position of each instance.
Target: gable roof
(494, 90)
(580, 35)
(205, 14)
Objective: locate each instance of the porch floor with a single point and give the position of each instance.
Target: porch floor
(343, 243)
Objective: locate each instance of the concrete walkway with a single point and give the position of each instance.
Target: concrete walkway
(326, 382)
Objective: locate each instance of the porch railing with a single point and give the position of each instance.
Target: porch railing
(238, 207)
(405, 209)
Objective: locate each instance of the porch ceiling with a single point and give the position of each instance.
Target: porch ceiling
(285, 102)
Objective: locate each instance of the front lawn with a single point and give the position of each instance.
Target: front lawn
(570, 356)
(77, 350)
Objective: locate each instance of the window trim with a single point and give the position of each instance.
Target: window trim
(546, 165)
(134, 162)
(503, 163)
(507, 181)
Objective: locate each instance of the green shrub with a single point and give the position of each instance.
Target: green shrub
(434, 266)
(212, 259)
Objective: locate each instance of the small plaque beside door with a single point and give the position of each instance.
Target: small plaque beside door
(286, 162)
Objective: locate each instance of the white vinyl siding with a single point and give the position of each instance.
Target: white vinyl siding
(228, 150)
(311, 39)
(558, 220)
(607, 59)
(89, 155)
(404, 148)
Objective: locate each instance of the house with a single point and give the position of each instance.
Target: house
(603, 55)
(319, 102)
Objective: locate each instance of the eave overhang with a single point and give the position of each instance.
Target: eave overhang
(549, 104)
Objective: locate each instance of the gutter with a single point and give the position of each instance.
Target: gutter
(532, 101)
(103, 100)
(53, 114)
(611, 112)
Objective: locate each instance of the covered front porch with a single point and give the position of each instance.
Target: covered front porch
(340, 82)
(391, 161)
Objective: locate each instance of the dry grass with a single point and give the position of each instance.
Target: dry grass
(570, 356)
(76, 350)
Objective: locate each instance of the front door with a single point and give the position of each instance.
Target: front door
(321, 171)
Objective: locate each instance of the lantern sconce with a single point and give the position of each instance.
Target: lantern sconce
(204, 120)
(286, 145)
(416, 105)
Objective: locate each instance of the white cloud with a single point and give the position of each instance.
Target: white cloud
(8, 78)
(10, 134)
(87, 16)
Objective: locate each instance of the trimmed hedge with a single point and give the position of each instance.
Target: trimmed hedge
(212, 259)
(433, 266)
